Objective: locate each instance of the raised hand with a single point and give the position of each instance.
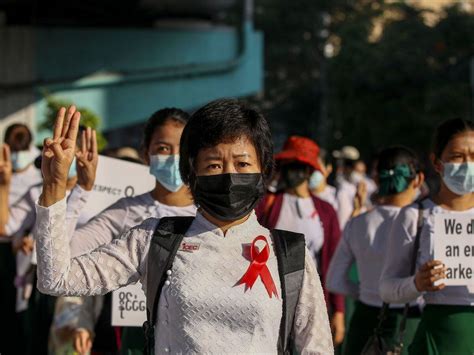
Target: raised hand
(87, 159)
(58, 154)
(5, 166)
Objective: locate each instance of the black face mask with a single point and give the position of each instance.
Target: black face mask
(229, 197)
(293, 175)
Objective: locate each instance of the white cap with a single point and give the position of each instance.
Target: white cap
(348, 152)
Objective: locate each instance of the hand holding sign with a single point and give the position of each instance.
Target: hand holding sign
(454, 245)
(58, 154)
(87, 159)
(428, 274)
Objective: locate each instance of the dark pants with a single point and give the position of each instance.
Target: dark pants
(365, 319)
(9, 324)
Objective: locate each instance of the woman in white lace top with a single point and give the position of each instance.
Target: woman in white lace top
(226, 159)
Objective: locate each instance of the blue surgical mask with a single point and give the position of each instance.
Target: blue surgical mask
(316, 179)
(21, 159)
(72, 170)
(459, 177)
(165, 168)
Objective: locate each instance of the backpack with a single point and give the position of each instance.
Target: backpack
(290, 253)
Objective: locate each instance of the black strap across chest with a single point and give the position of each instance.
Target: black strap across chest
(290, 253)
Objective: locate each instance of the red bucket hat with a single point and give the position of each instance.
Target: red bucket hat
(300, 149)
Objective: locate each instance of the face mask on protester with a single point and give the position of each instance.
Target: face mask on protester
(316, 179)
(72, 170)
(21, 159)
(229, 197)
(459, 177)
(293, 175)
(165, 169)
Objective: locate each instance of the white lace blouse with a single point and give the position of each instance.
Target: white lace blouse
(201, 310)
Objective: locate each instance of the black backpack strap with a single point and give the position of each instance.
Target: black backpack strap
(290, 253)
(414, 257)
(163, 248)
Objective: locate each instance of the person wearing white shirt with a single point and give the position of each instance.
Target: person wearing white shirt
(446, 323)
(364, 243)
(295, 208)
(18, 139)
(226, 171)
(319, 185)
(23, 154)
(170, 197)
(17, 222)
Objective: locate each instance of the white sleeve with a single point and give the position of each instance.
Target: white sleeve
(396, 283)
(101, 230)
(337, 280)
(103, 270)
(345, 207)
(75, 204)
(311, 325)
(21, 217)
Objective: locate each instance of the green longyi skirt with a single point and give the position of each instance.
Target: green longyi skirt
(445, 330)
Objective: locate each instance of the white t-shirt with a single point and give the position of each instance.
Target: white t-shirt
(364, 242)
(300, 216)
(22, 182)
(329, 195)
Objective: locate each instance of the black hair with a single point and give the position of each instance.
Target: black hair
(222, 121)
(18, 136)
(391, 158)
(447, 130)
(323, 156)
(159, 119)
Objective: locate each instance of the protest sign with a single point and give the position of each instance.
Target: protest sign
(454, 246)
(129, 306)
(116, 179)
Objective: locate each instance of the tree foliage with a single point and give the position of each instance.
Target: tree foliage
(389, 88)
(88, 117)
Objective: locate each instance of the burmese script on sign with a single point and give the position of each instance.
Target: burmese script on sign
(129, 306)
(454, 246)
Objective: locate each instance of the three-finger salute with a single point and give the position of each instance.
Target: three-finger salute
(87, 159)
(58, 155)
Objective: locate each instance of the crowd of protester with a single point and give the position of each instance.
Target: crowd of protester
(59, 263)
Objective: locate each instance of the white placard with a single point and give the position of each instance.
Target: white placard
(454, 246)
(116, 179)
(129, 306)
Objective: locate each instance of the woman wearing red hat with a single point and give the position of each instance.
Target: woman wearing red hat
(295, 208)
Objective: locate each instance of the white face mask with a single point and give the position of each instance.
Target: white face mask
(316, 179)
(23, 158)
(459, 177)
(165, 168)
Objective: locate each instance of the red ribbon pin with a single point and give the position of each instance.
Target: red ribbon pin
(258, 267)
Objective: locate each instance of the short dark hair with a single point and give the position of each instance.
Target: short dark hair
(447, 130)
(18, 136)
(159, 119)
(221, 121)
